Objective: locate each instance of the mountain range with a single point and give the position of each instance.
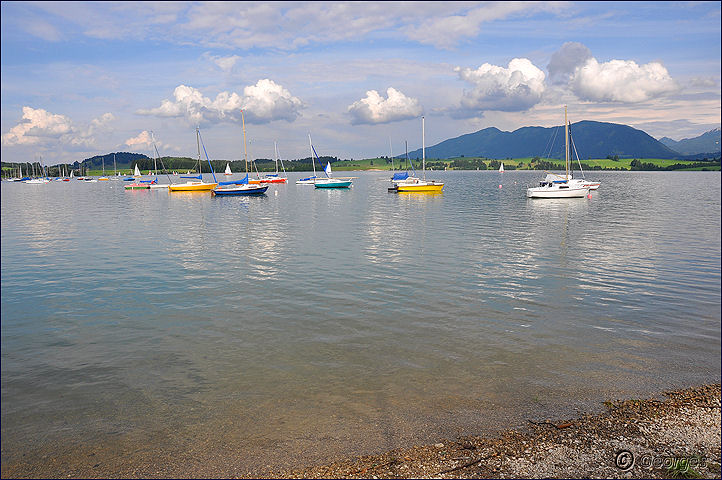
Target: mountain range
(707, 142)
(591, 140)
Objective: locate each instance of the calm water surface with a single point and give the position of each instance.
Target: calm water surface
(142, 327)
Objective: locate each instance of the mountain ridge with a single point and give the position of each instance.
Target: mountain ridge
(591, 138)
(707, 142)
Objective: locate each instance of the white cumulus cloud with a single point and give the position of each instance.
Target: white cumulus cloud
(267, 101)
(516, 88)
(37, 126)
(143, 139)
(263, 102)
(621, 81)
(375, 109)
(40, 127)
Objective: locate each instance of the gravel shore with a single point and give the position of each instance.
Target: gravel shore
(676, 436)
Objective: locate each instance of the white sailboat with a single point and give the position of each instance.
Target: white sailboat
(156, 156)
(501, 168)
(558, 186)
(228, 170)
(329, 182)
(309, 180)
(42, 178)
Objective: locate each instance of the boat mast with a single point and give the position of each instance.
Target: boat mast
(115, 170)
(245, 152)
(566, 141)
(423, 147)
(391, 150)
(312, 161)
(155, 161)
(275, 150)
(198, 143)
(406, 165)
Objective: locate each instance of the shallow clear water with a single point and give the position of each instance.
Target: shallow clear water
(308, 324)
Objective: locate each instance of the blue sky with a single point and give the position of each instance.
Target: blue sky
(87, 78)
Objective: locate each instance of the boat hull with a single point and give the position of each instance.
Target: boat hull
(334, 184)
(541, 192)
(267, 180)
(137, 186)
(192, 187)
(245, 190)
(420, 187)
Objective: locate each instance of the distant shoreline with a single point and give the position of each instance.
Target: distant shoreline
(9, 169)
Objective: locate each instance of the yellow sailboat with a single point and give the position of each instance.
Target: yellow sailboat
(103, 178)
(197, 185)
(413, 184)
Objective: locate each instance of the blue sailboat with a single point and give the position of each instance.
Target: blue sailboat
(240, 187)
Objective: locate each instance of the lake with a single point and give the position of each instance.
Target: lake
(179, 334)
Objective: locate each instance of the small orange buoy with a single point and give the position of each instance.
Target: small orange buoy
(589, 195)
(500, 185)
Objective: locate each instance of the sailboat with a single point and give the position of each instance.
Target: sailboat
(501, 168)
(138, 184)
(413, 184)
(558, 186)
(309, 180)
(327, 182)
(403, 177)
(242, 186)
(42, 178)
(340, 182)
(272, 177)
(228, 170)
(156, 156)
(103, 178)
(197, 185)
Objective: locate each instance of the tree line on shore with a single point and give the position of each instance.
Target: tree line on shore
(183, 164)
